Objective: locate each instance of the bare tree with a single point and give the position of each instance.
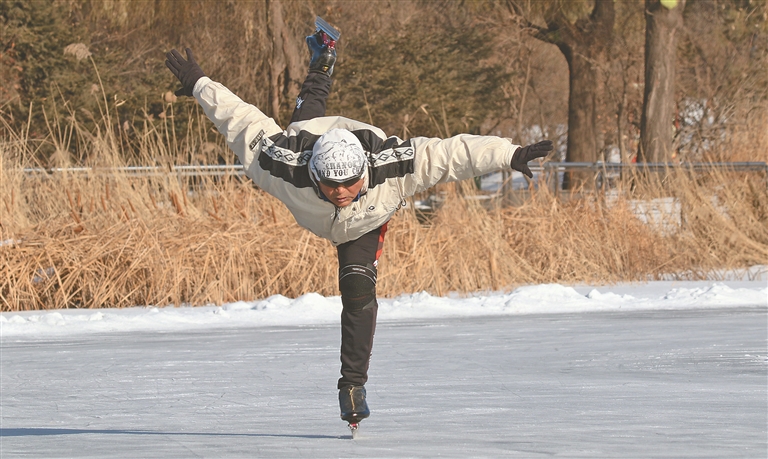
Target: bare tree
(623, 79)
(582, 35)
(285, 69)
(663, 20)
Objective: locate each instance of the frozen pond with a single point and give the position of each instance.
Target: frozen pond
(647, 383)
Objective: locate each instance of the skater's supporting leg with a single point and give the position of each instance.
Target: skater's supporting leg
(357, 282)
(357, 329)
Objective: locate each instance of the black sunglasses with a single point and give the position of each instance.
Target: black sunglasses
(345, 184)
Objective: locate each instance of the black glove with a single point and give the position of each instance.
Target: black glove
(187, 71)
(530, 152)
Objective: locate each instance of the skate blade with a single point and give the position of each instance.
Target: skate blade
(327, 28)
(354, 429)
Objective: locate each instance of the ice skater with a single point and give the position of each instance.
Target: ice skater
(343, 180)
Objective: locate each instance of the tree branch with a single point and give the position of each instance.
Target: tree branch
(544, 34)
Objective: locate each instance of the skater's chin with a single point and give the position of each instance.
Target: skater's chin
(342, 202)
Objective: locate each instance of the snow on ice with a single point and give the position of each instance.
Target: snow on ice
(312, 308)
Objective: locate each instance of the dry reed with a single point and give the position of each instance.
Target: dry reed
(112, 241)
(115, 240)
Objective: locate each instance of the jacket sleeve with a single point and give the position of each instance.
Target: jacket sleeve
(457, 158)
(242, 124)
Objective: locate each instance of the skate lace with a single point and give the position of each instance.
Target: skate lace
(355, 402)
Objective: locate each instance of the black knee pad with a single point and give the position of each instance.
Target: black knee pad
(358, 286)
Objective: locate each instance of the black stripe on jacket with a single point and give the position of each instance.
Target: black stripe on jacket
(287, 157)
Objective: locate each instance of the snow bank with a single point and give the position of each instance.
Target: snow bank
(313, 309)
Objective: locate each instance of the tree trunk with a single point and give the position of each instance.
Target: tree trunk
(582, 110)
(656, 125)
(285, 69)
(583, 43)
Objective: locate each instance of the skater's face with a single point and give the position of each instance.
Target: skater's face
(341, 194)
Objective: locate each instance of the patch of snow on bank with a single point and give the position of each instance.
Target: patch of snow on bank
(314, 309)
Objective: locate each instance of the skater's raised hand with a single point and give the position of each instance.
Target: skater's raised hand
(187, 71)
(530, 152)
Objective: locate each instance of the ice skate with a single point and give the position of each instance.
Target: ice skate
(322, 51)
(322, 47)
(353, 407)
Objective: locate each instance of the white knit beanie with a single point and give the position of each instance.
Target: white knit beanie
(337, 156)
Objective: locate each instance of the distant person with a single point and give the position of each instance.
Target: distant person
(343, 180)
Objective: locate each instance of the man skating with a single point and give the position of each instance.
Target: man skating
(343, 180)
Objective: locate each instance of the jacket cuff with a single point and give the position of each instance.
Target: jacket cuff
(199, 85)
(511, 152)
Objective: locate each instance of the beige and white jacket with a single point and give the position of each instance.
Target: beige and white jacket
(277, 161)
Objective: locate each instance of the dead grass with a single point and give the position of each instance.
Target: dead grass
(119, 241)
(113, 240)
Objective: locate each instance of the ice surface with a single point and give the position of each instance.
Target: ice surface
(670, 369)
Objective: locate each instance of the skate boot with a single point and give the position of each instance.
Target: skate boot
(323, 53)
(352, 404)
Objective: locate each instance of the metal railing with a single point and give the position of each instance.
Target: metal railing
(553, 173)
(215, 170)
(224, 169)
(656, 167)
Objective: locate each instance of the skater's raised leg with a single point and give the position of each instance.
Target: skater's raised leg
(311, 102)
(323, 49)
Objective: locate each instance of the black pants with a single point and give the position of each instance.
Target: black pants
(358, 261)
(312, 97)
(358, 317)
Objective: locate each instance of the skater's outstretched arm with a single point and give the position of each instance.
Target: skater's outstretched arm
(462, 157)
(242, 124)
